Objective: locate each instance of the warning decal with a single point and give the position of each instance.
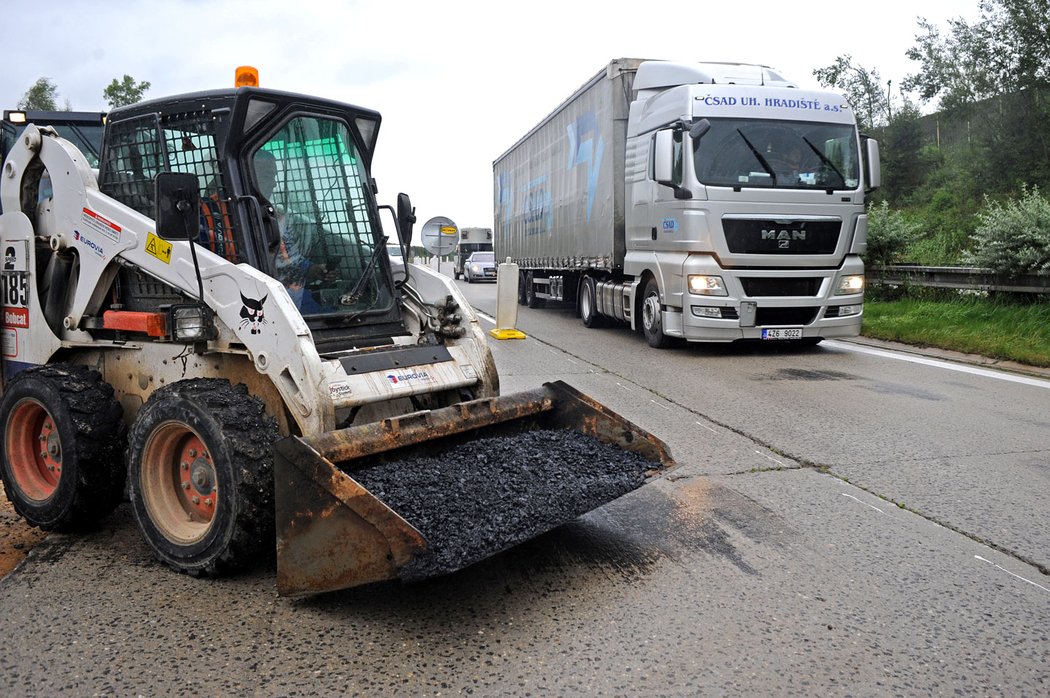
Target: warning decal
(161, 249)
(101, 224)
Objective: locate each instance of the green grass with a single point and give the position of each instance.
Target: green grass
(997, 329)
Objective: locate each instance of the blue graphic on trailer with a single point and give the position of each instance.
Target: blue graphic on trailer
(505, 196)
(537, 207)
(586, 147)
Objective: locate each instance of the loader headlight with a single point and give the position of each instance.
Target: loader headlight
(850, 284)
(192, 323)
(703, 285)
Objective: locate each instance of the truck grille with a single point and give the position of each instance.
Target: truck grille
(780, 287)
(766, 236)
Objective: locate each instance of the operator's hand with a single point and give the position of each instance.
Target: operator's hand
(321, 274)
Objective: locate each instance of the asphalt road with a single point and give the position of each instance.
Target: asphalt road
(841, 523)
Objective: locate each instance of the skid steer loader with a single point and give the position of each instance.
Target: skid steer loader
(211, 328)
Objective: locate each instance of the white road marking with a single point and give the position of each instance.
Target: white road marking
(621, 385)
(707, 427)
(936, 363)
(485, 316)
(659, 405)
(1011, 573)
(769, 457)
(865, 503)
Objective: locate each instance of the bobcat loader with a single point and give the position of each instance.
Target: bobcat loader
(210, 327)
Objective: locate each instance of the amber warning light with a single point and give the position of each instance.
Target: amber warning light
(246, 76)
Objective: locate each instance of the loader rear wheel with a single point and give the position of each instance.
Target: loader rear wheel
(62, 438)
(200, 476)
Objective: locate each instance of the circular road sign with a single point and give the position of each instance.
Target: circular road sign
(439, 236)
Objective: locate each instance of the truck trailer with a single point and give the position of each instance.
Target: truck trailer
(710, 202)
(471, 240)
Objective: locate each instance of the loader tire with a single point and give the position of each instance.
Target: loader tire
(200, 476)
(63, 436)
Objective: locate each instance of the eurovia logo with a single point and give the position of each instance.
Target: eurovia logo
(90, 244)
(396, 378)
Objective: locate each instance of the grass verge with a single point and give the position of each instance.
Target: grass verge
(998, 328)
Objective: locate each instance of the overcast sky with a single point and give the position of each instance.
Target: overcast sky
(457, 81)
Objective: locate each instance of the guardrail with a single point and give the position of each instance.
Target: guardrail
(962, 278)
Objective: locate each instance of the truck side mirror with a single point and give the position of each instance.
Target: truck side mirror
(872, 164)
(663, 158)
(178, 203)
(406, 218)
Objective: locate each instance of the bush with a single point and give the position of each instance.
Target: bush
(1013, 238)
(889, 234)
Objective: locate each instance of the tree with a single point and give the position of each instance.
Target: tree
(1004, 51)
(41, 96)
(124, 92)
(862, 88)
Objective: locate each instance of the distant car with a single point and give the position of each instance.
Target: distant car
(480, 266)
(393, 251)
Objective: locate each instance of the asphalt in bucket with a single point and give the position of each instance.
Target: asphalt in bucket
(485, 496)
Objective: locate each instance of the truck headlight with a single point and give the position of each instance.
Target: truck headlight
(850, 284)
(703, 285)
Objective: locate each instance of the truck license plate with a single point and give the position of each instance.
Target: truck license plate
(782, 333)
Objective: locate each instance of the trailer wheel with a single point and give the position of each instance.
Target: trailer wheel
(588, 304)
(522, 280)
(200, 475)
(62, 438)
(652, 318)
(531, 299)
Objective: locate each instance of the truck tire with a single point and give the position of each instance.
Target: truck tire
(200, 476)
(531, 299)
(588, 304)
(652, 319)
(63, 435)
(522, 280)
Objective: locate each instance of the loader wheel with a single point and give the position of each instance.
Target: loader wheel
(200, 476)
(62, 438)
(652, 317)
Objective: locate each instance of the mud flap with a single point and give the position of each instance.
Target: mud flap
(332, 533)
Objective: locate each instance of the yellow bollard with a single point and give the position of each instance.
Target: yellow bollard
(507, 302)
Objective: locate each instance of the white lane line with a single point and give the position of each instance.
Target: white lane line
(621, 385)
(962, 368)
(865, 503)
(769, 457)
(1011, 573)
(485, 316)
(660, 405)
(706, 427)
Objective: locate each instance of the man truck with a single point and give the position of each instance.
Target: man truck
(706, 202)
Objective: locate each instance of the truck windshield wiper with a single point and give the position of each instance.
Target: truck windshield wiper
(758, 156)
(824, 159)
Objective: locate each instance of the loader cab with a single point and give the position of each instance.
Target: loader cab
(285, 187)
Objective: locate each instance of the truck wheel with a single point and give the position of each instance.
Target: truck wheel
(588, 305)
(522, 280)
(530, 293)
(652, 318)
(200, 475)
(63, 434)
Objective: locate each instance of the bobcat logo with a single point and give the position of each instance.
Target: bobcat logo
(252, 313)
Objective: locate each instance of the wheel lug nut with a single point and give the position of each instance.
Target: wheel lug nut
(193, 453)
(185, 485)
(43, 454)
(207, 501)
(185, 466)
(196, 499)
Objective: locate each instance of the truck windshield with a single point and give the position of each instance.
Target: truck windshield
(329, 253)
(778, 154)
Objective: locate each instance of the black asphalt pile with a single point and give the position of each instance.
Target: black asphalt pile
(479, 498)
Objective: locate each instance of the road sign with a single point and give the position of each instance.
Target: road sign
(440, 236)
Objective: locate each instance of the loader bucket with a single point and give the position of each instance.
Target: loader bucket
(434, 491)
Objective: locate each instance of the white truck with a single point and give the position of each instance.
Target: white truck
(709, 202)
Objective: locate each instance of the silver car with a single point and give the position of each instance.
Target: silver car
(480, 266)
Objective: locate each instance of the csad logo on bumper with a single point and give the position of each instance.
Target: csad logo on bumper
(396, 378)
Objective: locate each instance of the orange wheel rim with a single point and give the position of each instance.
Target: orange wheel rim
(34, 450)
(178, 481)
